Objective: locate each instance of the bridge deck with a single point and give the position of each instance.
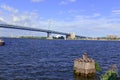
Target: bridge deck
(35, 29)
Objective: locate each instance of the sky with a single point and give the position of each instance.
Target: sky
(92, 18)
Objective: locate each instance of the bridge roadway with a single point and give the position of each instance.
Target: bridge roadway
(35, 29)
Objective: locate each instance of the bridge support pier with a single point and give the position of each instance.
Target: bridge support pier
(49, 36)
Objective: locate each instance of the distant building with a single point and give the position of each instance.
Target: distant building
(112, 37)
(71, 36)
(59, 37)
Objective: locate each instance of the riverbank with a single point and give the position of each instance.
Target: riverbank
(45, 38)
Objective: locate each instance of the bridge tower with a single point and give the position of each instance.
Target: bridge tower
(70, 36)
(49, 35)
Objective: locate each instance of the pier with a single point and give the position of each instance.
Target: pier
(84, 66)
(2, 43)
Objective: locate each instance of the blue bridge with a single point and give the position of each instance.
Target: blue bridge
(49, 32)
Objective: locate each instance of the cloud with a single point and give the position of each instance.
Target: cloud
(37, 0)
(21, 18)
(1, 19)
(25, 19)
(116, 11)
(80, 24)
(87, 25)
(9, 9)
(96, 15)
(65, 2)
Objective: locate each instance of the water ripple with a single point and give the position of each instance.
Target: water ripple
(33, 59)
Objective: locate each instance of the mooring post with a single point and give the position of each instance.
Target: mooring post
(84, 66)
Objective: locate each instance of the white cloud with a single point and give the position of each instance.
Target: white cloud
(37, 0)
(9, 9)
(1, 19)
(64, 2)
(97, 15)
(16, 19)
(116, 11)
(25, 19)
(80, 24)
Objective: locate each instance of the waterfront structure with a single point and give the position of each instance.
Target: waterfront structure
(84, 66)
(2, 42)
(49, 32)
(112, 37)
(70, 36)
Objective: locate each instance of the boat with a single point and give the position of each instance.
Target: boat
(2, 43)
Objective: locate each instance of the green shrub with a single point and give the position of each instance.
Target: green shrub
(97, 67)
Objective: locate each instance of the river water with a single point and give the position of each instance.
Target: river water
(34, 59)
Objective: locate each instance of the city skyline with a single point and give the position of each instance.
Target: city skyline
(86, 18)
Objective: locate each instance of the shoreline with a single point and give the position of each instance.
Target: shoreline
(56, 39)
